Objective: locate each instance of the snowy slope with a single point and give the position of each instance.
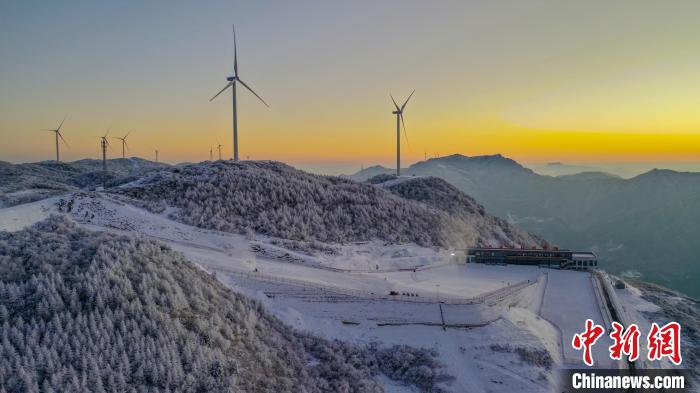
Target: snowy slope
(22, 216)
(505, 333)
(355, 304)
(88, 311)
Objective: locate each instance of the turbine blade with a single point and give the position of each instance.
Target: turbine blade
(235, 54)
(409, 97)
(394, 101)
(64, 141)
(60, 125)
(222, 90)
(256, 94)
(126, 144)
(127, 134)
(405, 135)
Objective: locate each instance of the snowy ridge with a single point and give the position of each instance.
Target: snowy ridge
(273, 199)
(437, 193)
(24, 183)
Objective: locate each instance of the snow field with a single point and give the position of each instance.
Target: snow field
(544, 313)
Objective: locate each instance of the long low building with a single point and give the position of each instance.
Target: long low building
(554, 258)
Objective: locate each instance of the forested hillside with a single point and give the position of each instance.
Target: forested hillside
(23, 183)
(441, 195)
(92, 312)
(277, 200)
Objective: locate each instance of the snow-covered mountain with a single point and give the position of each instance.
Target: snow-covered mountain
(132, 166)
(348, 276)
(494, 328)
(274, 199)
(85, 311)
(646, 225)
(22, 183)
(439, 194)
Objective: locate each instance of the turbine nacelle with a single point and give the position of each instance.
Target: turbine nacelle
(231, 78)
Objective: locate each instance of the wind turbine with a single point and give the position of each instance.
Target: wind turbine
(232, 84)
(123, 139)
(58, 134)
(211, 153)
(399, 122)
(219, 147)
(156, 156)
(104, 144)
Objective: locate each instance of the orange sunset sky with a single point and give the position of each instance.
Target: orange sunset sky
(537, 81)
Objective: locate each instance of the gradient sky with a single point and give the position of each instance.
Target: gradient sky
(593, 81)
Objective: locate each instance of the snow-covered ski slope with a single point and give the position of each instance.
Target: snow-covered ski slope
(489, 313)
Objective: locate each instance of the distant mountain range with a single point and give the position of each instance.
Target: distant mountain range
(560, 169)
(648, 225)
(626, 170)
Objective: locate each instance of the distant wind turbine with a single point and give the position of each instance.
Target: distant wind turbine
(219, 147)
(124, 145)
(211, 153)
(399, 122)
(156, 156)
(58, 134)
(232, 83)
(104, 144)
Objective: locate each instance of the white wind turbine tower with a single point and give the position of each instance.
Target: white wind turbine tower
(124, 145)
(232, 83)
(211, 153)
(58, 134)
(399, 122)
(219, 147)
(156, 156)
